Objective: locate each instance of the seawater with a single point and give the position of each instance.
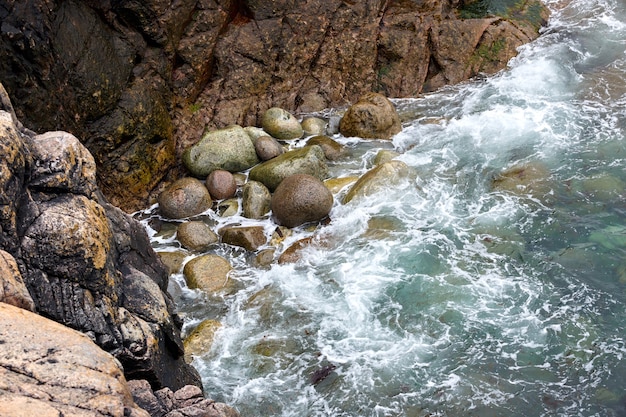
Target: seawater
(445, 296)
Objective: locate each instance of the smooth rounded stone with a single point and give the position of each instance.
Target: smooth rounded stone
(532, 178)
(196, 236)
(373, 116)
(281, 124)
(256, 200)
(184, 198)
(208, 273)
(384, 155)
(332, 149)
(228, 208)
(335, 185)
(230, 149)
(267, 148)
(247, 237)
(173, 260)
(221, 184)
(308, 160)
(200, 339)
(264, 258)
(300, 199)
(379, 178)
(314, 126)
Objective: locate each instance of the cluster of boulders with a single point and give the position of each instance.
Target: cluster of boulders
(262, 182)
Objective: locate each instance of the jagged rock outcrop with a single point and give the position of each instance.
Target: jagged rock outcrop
(141, 80)
(86, 264)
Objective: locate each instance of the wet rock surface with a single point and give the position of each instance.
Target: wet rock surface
(85, 263)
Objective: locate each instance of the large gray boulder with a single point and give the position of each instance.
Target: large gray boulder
(308, 160)
(301, 199)
(373, 116)
(230, 149)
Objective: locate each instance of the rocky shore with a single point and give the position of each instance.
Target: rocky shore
(189, 104)
(139, 81)
(100, 292)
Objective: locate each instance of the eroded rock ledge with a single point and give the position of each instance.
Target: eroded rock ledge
(140, 80)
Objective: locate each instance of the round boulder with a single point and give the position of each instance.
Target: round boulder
(373, 116)
(267, 148)
(281, 124)
(314, 126)
(185, 197)
(230, 149)
(196, 236)
(300, 199)
(221, 184)
(208, 273)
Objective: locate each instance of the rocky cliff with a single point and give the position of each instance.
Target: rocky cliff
(85, 263)
(140, 80)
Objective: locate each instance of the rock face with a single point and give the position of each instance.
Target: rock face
(86, 264)
(47, 369)
(140, 81)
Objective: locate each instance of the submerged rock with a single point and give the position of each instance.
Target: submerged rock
(200, 339)
(529, 179)
(379, 178)
(301, 199)
(373, 116)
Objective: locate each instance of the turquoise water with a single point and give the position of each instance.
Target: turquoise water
(447, 295)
